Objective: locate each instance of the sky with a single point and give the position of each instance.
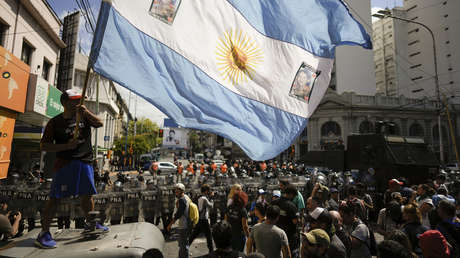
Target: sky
(143, 108)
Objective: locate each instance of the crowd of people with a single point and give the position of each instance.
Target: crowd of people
(415, 221)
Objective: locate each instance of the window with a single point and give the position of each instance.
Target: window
(446, 15)
(415, 66)
(412, 8)
(451, 82)
(446, 28)
(444, 3)
(413, 42)
(416, 130)
(417, 78)
(3, 31)
(448, 55)
(413, 31)
(450, 69)
(447, 42)
(27, 51)
(46, 69)
(414, 54)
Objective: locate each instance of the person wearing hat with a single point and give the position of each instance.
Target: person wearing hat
(269, 239)
(315, 244)
(333, 203)
(181, 215)
(394, 185)
(289, 217)
(276, 195)
(434, 245)
(359, 232)
(426, 206)
(320, 218)
(204, 206)
(260, 199)
(74, 171)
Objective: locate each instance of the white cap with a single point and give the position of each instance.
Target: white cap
(316, 212)
(73, 94)
(429, 201)
(261, 191)
(180, 186)
(277, 193)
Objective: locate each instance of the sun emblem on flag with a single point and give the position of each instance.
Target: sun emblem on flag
(237, 56)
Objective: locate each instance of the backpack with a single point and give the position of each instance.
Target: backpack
(193, 213)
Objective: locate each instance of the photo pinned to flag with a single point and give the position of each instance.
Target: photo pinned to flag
(165, 10)
(304, 82)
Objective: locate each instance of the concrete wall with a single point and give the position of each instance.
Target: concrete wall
(33, 31)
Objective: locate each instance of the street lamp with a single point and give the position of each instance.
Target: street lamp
(387, 14)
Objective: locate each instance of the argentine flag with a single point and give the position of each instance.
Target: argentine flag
(252, 71)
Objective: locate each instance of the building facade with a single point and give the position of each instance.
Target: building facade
(442, 18)
(390, 55)
(341, 115)
(29, 37)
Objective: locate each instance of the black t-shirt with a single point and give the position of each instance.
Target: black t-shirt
(288, 212)
(60, 130)
(235, 215)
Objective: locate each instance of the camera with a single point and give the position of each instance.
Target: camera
(21, 226)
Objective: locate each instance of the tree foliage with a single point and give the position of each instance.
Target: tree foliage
(145, 140)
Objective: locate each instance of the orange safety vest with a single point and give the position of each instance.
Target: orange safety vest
(223, 168)
(202, 169)
(190, 167)
(214, 166)
(263, 166)
(180, 168)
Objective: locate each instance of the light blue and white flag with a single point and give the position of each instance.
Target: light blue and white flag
(252, 71)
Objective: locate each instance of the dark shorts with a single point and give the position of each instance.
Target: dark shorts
(74, 179)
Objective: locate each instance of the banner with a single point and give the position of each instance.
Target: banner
(175, 137)
(7, 120)
(14, 78)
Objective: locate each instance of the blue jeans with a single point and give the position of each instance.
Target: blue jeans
(183, 243)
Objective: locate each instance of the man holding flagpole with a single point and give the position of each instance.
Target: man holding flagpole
(73, 166)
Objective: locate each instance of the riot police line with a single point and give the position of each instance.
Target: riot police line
(134, 199)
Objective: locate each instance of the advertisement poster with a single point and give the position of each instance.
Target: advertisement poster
(7, 120)
(53, 104)
(175, 137)
(14, 78)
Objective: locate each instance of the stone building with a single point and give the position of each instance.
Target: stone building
(341, 115)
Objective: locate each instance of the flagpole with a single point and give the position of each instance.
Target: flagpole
(88, 73)
(82, 101)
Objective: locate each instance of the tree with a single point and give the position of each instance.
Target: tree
(144, 141)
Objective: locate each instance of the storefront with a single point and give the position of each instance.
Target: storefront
(14, 77)
(43, 103)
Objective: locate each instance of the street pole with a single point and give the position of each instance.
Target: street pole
(387, 13)
(96, 148)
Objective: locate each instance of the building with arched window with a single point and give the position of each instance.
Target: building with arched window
(341, 115)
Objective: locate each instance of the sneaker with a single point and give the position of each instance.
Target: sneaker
(45, 240)
(102, 227)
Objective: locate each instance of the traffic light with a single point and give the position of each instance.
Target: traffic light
(160, 133)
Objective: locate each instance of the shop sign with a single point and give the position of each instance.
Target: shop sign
(53, 105)
(7, 120)
(41, 95)
(14, 78)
